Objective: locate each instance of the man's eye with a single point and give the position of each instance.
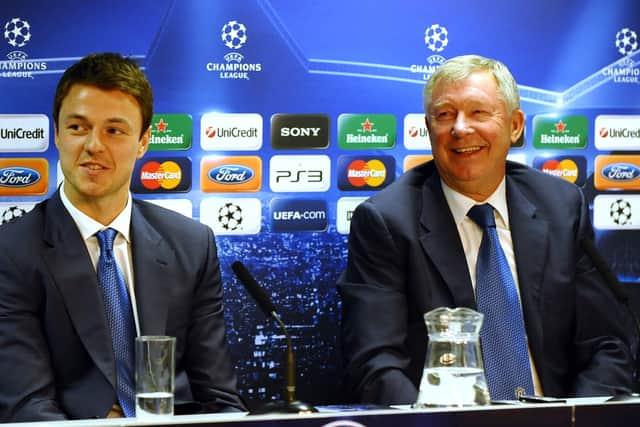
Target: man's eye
(75, 127)
(115, 131)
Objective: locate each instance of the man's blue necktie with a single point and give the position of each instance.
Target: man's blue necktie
(503, 337)
(120, 317)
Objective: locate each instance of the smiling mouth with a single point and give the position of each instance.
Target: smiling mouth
(467, 149)
(93, 166)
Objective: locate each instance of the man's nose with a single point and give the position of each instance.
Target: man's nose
(93, 143)
(461, 126)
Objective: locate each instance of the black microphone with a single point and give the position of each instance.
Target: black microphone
(291, 405)
(621, 294)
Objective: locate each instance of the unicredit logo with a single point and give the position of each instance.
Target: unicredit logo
(621, 172)
(18, 177)
(619, 133)
(230, 174)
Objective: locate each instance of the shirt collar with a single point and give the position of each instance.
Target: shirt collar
(459, 204)
(89, 226)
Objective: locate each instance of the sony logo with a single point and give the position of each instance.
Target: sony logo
(286, 131)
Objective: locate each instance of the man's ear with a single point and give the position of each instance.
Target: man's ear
(143, 144)
(517, 125)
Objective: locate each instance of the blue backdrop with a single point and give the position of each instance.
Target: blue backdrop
(222, 70)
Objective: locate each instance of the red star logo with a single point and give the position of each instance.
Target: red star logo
(367, 126)
(161, 126)
(560, 126)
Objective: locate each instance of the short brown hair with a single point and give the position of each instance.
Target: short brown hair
(108, 71)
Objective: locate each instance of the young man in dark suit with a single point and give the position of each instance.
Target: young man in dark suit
(57, 360)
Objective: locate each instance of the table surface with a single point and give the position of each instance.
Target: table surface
(585, 412)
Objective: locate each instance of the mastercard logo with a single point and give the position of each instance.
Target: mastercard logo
(370, 173)
(166, 175)
(566, 169)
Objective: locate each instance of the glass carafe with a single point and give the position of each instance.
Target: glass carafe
(453, 371)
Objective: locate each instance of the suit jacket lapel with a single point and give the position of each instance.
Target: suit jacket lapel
(151, 259)
(442, 245)
(530, 235)
(73, 274)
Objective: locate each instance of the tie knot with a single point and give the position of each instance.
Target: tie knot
(482, 215)
(106, 238)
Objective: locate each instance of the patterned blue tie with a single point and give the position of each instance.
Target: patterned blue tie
(120, 317)
(503, 337)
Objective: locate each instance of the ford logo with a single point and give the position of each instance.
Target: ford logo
(18, 177)
(231, 174)
(621, 172)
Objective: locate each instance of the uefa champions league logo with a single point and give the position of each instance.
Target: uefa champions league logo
(11, 213)
(625, 70)
(230, 217)
(234, 34)
(234, 37)
(17, 32)
(626, 41)
(436, 38)
(620, 212)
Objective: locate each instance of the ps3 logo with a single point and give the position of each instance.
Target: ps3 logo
(231, 174)
(621, 172)
(18, 177)
(309, 176)
(299, 173)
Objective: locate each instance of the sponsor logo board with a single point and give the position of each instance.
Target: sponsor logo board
(24, 177)
(24, 132)
(171, 132)
(365, 172)
(616, 212)
(289, 215)
(299, 131)
(617, 172)
(569, 168)
(162, 175)
(310, 173)
(551, 131)
(229, 132)
(228, 216)
(366, 131)
(230, 174)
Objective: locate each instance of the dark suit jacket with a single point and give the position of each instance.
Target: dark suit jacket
(406, 258)
(56, 357)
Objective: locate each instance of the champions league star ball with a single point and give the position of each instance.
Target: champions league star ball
(17, 32)
(230, 216)
(11, 213)
(234, 35)
(620, 212)
(626, 41)
(436, 37)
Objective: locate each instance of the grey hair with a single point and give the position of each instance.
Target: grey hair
(460, 67)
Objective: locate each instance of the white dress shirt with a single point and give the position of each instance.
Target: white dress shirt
(88, 227)
(471, 237)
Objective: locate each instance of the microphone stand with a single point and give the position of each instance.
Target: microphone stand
(291, 405)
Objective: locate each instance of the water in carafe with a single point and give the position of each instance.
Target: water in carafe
(453, 371)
